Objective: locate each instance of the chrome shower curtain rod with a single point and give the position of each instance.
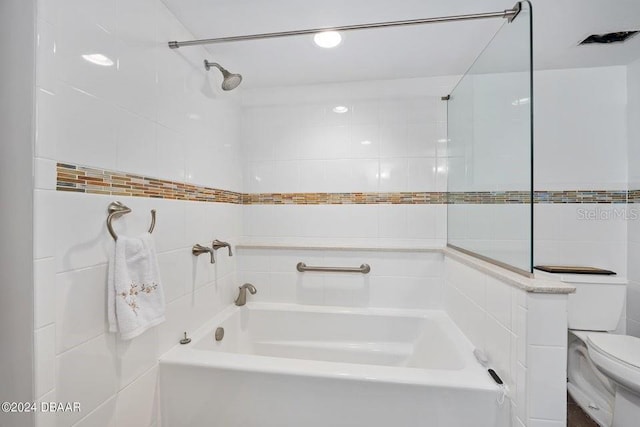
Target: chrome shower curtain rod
(509, 14)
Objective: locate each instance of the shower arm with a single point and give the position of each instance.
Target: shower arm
(509, 14)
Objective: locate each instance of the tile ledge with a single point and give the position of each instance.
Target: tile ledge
(335, 247)
(527, 284)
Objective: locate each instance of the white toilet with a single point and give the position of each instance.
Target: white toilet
(603, 368)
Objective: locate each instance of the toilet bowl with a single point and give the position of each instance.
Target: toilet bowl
(603, 368)
(618, 358)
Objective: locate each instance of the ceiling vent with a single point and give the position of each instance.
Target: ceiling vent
(617, 37)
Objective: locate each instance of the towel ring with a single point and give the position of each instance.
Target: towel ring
(117, 209)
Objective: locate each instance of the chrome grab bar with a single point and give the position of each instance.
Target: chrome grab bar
(364, 268)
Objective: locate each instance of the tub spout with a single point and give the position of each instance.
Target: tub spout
(242, 297)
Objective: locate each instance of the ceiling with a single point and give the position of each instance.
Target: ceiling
(405, 52)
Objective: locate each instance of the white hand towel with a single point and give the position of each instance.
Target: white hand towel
(135, 296)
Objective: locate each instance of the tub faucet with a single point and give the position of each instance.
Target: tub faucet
(198, 249)
(217, 244)
(242, 297)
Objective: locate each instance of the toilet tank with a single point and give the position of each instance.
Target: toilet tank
(598, 302)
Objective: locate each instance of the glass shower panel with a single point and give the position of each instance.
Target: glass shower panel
(489, 180)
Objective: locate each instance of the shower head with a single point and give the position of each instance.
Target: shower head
(230, 81)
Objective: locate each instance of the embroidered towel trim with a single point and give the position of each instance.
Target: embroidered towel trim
(135, 295)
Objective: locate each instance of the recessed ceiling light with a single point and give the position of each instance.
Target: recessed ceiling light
(98, 59)
(340, 109)
(327, 39)
(365, 142)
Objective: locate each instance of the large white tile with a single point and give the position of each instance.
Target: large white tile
(138, 403)
(171, 154)
(521, 392)
(43, 418)
(86, 374)
(498, 300)
(136, 356)
(44, 224)
(546, 382)
(422, 139)
(547, 319)
(45, 360)
(281, 287)
(521, 334)
(47, 124)
(136, 146)
(421, 221)
(175, 269)
(406, 292)
(403, 264)
(80, 306)
(365, 141)
(45, 55)
(44, 174)
(44, 278)
(497, 346)
(103, 416)
(421, 174)
(86, 128)
(86, 50)
(392, 221)
(393, 174)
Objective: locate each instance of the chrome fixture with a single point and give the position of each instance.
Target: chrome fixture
(242, 297)
(117, 209)
(230, 81)
(198, 250)
(217, 244)
(185, 340)
(219, 334)
(508, 14)
(364, 268)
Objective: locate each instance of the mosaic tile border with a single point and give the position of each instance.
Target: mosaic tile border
(399, 198)
(82, 179)
(581, 196)
(633, 196)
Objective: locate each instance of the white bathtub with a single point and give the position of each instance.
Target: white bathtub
(286, 365)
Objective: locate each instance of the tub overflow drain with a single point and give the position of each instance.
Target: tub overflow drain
(219, 334)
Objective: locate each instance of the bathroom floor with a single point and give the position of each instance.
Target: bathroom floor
(576, 417)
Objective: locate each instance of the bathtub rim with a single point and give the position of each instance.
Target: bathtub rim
(472, 377)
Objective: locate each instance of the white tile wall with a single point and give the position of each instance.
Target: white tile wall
(384, 143)
(575, 111)
(148, 112)
(397, 279)
(522, 334)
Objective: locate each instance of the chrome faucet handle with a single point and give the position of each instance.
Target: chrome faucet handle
(217, 244)
(198, 250)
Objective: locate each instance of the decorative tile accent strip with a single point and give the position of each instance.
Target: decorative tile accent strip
(581, 196)
(400, 198)
(488, 197)
(633, 196)
(96, 181)
(83, 179)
